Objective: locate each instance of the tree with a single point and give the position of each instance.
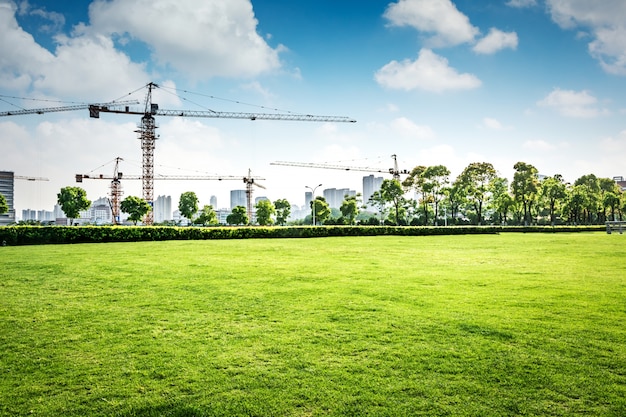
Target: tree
(349, 208)
(553, 193)
(207, 216)
(321, 209)
(525, 187)
(392, 191)
(188, 204)
(239, 215)
(501, 200)
(4, 206)
(435, 179)
(135, 207)
(72, 201)
(475, 181)
(264, 212)
(415, 181)
(377, 200)
(283, 211)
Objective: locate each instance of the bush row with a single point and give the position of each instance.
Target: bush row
(38, 235)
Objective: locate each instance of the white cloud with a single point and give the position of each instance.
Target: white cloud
(429, 72)
(606, 22)
(491, 123)
(495, 41)
(569, 103)
(202, 39)
(439, 17)
(408, 129)
(521, 3)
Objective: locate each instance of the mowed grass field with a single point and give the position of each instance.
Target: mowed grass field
(493, 325)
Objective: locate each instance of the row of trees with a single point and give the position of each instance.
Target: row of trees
(477, 196)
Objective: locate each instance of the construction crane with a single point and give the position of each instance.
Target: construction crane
(116, 183)
(147, 129)
(395, 171)
(250, 181)
(22, 177)
(108, 105)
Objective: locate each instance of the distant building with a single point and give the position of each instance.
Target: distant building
(371, 184)
(620, 182)
(335, 196)
(238, 198)
(213, 202)
(7, 187)
(162, 209)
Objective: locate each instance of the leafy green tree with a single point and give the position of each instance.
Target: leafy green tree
(4, 206)
(321, 209)
(475, 181)
(392, 191)
(188, 204)
(135, 207)
(501, 201)
(72, 201)
(264, 212)
(575, 203)
(350, 208)
(416, 182)
(609, 197)
(525, 187)
(377, 200)
(207, 216)
(283, 211)
(455, 199)
(435, 178)
(553, 193)
(239, 215)
(591, 188)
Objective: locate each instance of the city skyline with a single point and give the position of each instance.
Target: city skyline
(435, 82)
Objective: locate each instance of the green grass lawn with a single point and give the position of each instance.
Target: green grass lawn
(490, 325)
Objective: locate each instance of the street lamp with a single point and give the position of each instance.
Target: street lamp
(313, 199)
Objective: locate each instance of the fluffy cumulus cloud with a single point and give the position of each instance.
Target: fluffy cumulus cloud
(569, 103)
(440, 18)
(201, 39)
(214, 38)
(606, 22)
(495, 41)
(429, 72)
(409, 129)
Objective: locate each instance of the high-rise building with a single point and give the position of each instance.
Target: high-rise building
(7, 183)
(162, 208)
(371, 184)
(335, 196)
(238, 198)
(213, 202)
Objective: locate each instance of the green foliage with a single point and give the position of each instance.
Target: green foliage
(72, 201)
(499, 325)
(349, 209)
(238, 216)
(135, 207)
(207, 216)
(283, 211)
(392, 192)
(264, 212)
(321, 209)
(188, 204)
(4, 207)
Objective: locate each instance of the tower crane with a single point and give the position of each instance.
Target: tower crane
(116, 184)
(395, 171)
(147, 128)
(23, 177)
(250, 181)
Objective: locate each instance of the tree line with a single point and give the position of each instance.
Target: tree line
(477, 196)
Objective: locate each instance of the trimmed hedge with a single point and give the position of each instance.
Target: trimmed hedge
(39, 235)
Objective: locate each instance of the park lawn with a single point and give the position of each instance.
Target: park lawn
(489, 325)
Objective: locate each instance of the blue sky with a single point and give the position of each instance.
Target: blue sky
(432, 81)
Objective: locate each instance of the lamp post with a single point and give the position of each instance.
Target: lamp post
(313, 199)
